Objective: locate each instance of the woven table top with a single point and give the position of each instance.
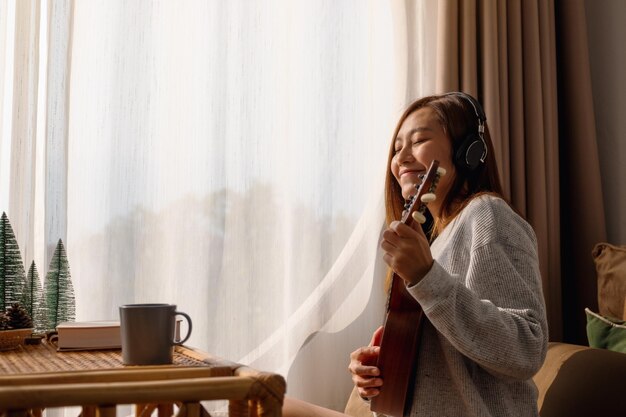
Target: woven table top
(35, 377)
(43, 358)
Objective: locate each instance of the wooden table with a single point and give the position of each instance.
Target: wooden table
(35, 377)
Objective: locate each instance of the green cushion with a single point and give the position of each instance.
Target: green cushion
(606, 332)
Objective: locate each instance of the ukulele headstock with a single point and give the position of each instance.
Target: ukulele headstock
(416, 206)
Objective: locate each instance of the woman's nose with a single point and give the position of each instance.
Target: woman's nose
(405, 155)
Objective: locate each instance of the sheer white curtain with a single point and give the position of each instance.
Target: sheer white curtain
(225, 156)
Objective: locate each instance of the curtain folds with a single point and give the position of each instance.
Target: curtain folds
(583, 220)
(58, 77)
(22, 183)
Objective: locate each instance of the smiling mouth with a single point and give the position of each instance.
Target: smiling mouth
(410, 172)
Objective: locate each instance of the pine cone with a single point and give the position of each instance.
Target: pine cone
(18, 317)
(4, 322)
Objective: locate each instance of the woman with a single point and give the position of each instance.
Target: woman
(476, 276)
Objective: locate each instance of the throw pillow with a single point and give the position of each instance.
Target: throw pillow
(610, 264)
(606, 332)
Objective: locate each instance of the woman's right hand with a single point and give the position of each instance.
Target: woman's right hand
(364, 374)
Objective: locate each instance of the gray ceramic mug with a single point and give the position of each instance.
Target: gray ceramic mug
(148, 332)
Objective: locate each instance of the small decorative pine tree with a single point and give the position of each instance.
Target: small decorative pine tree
(59, 302)
(33, 298)
(12, 274)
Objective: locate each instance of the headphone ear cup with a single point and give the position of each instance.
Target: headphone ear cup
(469, 154)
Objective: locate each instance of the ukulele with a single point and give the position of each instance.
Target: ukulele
(397, 360)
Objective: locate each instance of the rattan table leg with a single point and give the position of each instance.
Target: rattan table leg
(165, 410)
(191, 409)
(35, 412)
(106, 411)
(203, 411)
(88, 411)
(239, 408)
(269, 407)
(146, 410)
(253, 406)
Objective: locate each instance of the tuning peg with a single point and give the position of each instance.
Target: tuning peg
(428, 197)
(441, 171)
(419, 217)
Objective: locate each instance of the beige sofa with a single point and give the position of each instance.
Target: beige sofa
(582, 381)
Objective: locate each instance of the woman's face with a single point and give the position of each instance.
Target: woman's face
(420, 140)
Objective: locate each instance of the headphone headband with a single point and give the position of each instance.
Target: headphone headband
(478, 109)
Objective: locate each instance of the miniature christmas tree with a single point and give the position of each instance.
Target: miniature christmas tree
(12, 274)
(33, 298)
(18, 317)
(58, 291)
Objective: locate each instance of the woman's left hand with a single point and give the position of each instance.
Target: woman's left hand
(407, 251)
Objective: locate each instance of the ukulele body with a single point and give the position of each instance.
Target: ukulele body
(398, 352)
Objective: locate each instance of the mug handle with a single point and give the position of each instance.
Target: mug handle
(180, 313)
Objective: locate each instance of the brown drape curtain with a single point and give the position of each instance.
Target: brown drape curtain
(582, 217)
(527, 62)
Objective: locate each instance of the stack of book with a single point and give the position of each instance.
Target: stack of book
(87, 335)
